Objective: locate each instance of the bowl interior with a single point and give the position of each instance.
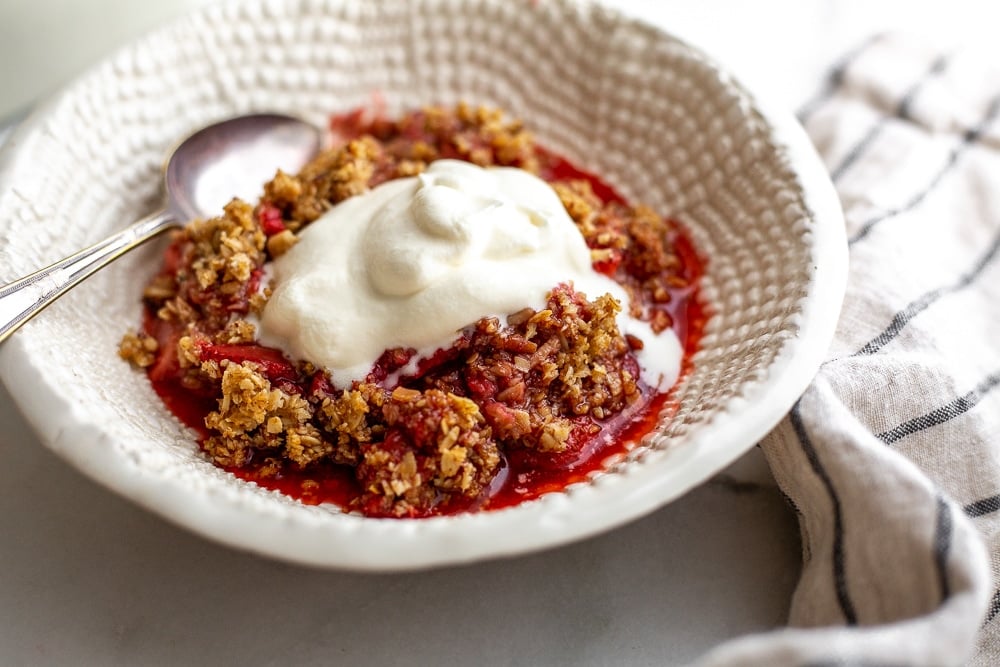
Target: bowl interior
(653, 116)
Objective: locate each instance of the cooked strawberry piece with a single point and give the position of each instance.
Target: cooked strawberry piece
(609, 265)
(167, 365)
(269, 217)
(173, 257)
(320, 386)
(389, 362)
(442, 357)
(272, 362)
(239, 302)
(480, 386)
(577, 448)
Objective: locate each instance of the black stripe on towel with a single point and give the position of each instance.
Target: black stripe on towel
(983, 507)
(839, 573)
(942, 545)
(902, 112)
(994, 607)
(919, 305)
(970, 137)
(850, 662)
(834, 79)
(940, 415)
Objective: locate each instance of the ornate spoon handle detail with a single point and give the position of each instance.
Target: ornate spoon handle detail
(24, 298)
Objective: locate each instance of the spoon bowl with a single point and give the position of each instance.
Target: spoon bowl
(234, 158)
(231, 158)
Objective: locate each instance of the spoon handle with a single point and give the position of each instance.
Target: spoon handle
(23, 299)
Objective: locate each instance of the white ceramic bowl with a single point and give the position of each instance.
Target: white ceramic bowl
(653, 116)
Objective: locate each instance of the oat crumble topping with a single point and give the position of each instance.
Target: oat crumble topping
(537, 386)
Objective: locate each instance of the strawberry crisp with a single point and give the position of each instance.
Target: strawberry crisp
(512, 405)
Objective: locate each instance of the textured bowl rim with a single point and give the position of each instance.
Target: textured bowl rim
(305, 536)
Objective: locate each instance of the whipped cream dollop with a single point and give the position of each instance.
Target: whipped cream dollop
(415, 260)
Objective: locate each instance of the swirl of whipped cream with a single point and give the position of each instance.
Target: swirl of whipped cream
(457, 213)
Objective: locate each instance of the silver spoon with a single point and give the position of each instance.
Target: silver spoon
(232, 158)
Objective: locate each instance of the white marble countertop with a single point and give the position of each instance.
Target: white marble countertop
(89, 579)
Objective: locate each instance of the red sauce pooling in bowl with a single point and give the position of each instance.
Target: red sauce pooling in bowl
(518, 481)
(520, 477)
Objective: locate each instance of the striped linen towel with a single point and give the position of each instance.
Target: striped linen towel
(892, 456)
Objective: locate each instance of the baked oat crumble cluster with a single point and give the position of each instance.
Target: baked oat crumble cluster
(420, 435)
